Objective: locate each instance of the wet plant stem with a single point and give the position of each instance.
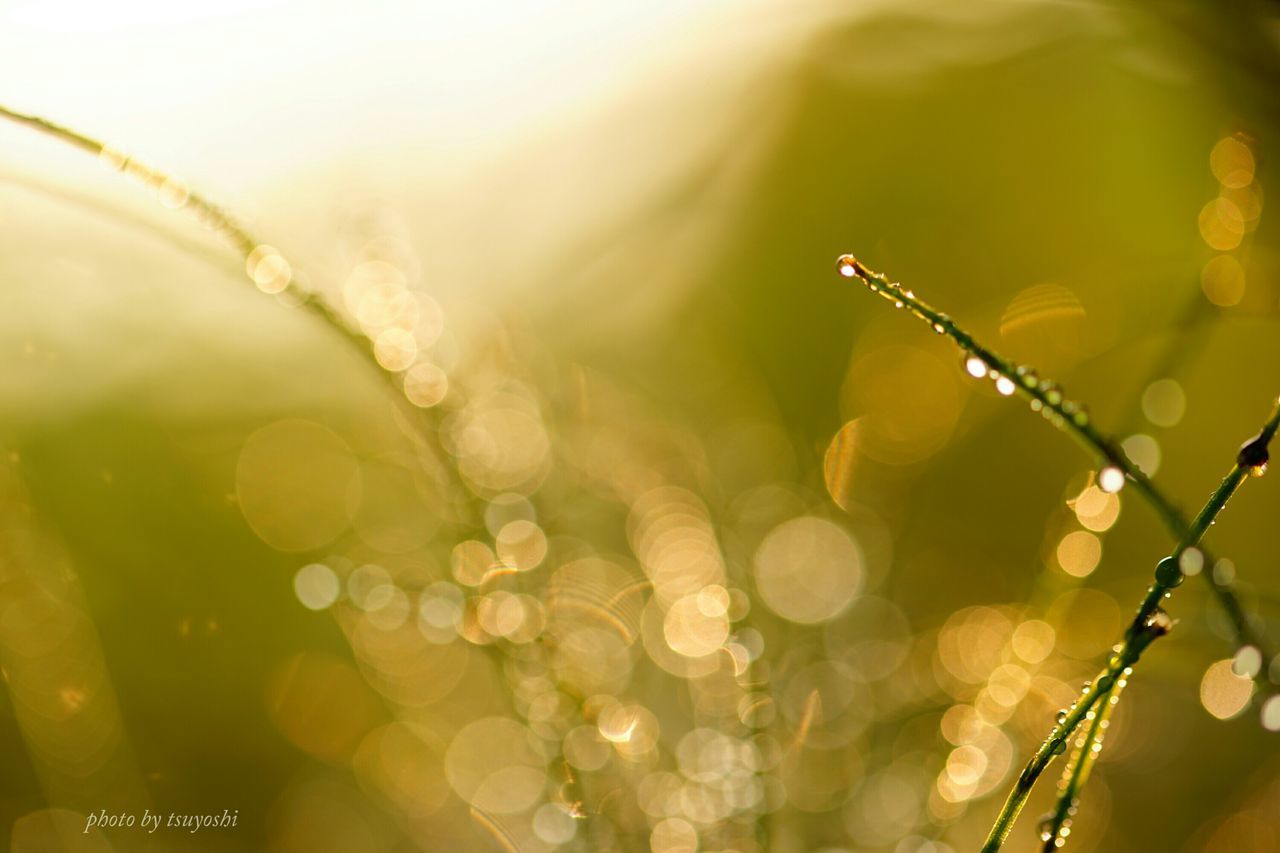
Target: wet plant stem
(1149, 623)
(1055, 829)
(1168, 576)
(176, 194)
(1067, 415)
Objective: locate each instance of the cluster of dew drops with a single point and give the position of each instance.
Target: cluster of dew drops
(1047, 397)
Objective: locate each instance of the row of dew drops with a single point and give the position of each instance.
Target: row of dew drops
(1048, 399)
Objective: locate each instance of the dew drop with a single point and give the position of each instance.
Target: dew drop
(847, 266)
(1111, 479)
(1061, 716)
(1254, 455)
(1027, 376)
(113, 159)
(975, 367)
(1059, 747)
(1052, 393)
(1005, 386)
(268, 269)
(1159, 622)
(1169, 573)
(1045, 827)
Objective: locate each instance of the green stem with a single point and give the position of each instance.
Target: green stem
(1069, 416)
(1119, 667)
(212, 215)
(1054, 830)
(1148, 624)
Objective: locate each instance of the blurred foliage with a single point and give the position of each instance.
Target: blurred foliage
(675, 540)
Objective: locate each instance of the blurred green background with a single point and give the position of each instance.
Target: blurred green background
(674, 540)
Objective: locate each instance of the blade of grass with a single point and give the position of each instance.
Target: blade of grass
(1252, 458)
(1150, 623)
(1067, 415)
(264, 265)
(1055, 827)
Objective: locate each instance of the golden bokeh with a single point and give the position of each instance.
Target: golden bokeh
(506, 468)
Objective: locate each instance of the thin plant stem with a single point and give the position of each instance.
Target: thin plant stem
(263, 264)
(1055, 828)
(1149, 623)
(1251, 459)
(1068, 415)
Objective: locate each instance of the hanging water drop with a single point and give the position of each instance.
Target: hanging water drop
(1254, 455)
(1052, 393)
(1169, 573)
(1159, 623)
(1045, 827)
(1111, 479)
(1061, 716)
(848, 266)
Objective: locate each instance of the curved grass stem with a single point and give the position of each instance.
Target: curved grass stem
(1055, 827)
(263, 264)
(1069, 416)
(1149, 623)
(1252, 457)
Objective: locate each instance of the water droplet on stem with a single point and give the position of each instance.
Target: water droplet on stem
(1254, 455)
